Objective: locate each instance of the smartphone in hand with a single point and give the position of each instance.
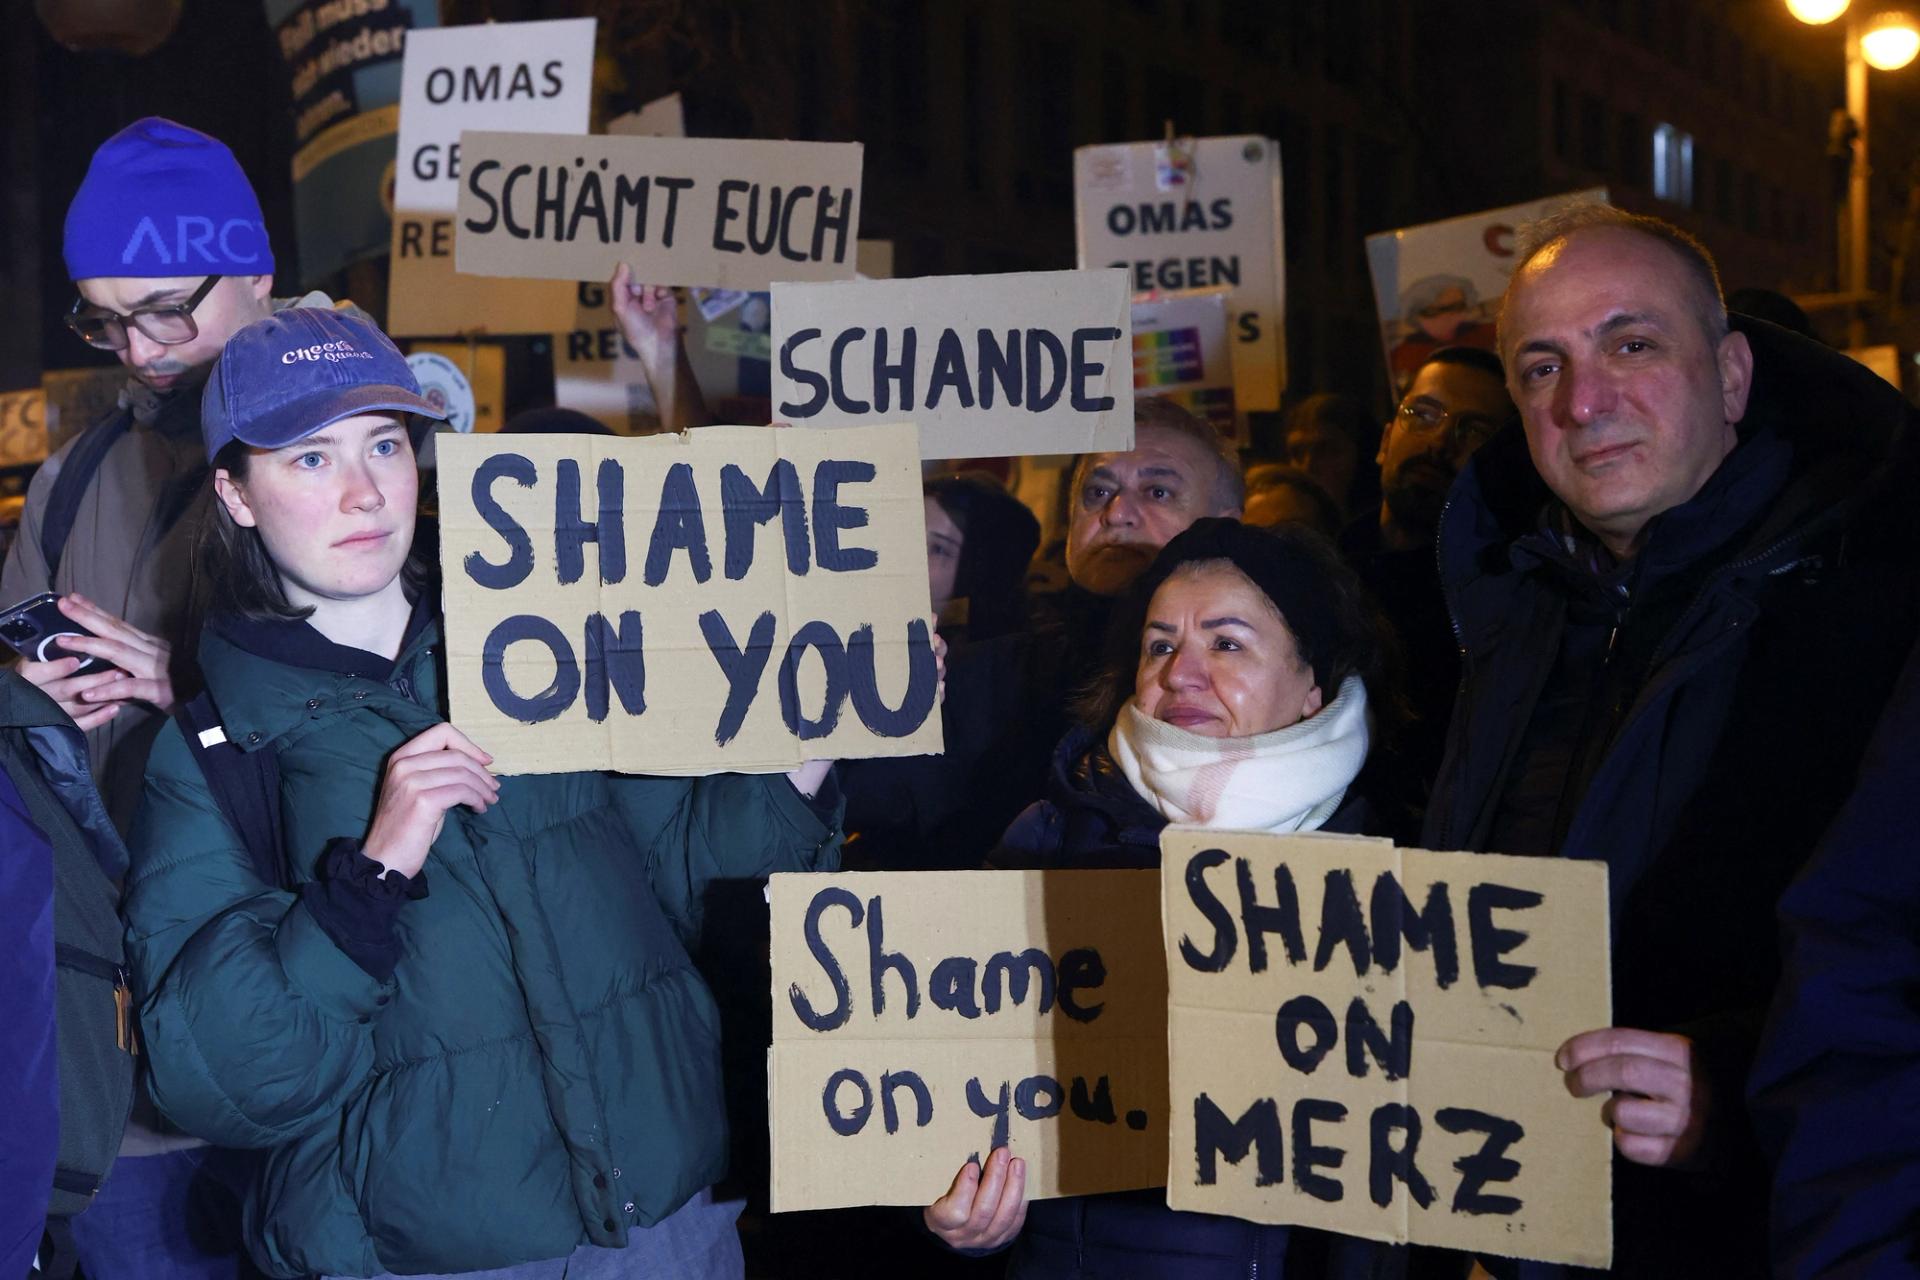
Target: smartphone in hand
(33, 629)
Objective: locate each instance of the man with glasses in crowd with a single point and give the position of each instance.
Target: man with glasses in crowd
(169, 255)
(1455, 403)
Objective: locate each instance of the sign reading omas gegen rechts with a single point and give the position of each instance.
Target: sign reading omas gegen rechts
(531, 76)
(731, 598)
(1362, 1039)
(724, 213)
(1191, 214)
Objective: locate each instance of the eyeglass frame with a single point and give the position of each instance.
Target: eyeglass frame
(116, 319)
(1445, 418)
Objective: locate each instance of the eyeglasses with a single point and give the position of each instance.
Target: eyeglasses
(170, 325)
(1469, 429)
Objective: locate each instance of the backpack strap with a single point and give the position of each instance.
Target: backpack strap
(245, 784)
(70, 486)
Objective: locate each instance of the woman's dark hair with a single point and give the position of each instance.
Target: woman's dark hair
(1000, 536)
(1336, 628)
(232, 572)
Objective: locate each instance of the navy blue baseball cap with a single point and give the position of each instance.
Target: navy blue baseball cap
(281, 379)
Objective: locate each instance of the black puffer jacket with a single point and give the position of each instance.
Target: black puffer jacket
(1693, 719)
(1093, 818)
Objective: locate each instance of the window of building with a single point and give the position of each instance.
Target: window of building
(1673, 165)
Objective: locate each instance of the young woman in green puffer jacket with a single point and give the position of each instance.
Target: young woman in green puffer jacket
(468, 1039)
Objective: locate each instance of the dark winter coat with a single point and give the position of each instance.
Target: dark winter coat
(539, 1067)
(1839, 1069)
(1693, 719)
(1093, 818)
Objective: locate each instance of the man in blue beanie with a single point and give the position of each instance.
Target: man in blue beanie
(169, 256)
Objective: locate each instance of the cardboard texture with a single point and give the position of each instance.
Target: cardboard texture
(1297, 1074)
(1084, 1096)
(988, 366)
(660, 118)
(1198, 213)
(731, 598)
(1181, 352)
(1439, 284)
(536, 77)
(729, 213)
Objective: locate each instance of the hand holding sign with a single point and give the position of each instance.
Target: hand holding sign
(983, 1209)
(428, 775)
(1660, 1101)
(649, 321)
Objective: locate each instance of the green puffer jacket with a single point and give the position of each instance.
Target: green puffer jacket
(543, 1068)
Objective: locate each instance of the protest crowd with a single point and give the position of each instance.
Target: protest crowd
(312, 971)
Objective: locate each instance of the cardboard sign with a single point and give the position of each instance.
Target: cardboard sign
(732, 598)
(23, 427)
(1204, 213)
(1181, 353)
(988, 366)
(661, 118)
(681, 211)
(533, 76)
(1439, 284)
(923, 1017)
(1362, 1039)
(343, 61)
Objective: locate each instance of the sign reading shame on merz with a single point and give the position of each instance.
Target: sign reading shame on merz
(922, 1017)
(1362, 1038)
(727, 213)
(732, 598)
(988, 366)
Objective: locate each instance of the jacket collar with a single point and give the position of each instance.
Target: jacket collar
(267, 678)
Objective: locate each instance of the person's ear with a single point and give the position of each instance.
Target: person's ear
(233, 498)
(261, 287)
(1310, 706)
(1735, 358)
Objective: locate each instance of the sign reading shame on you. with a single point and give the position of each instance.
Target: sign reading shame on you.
(727, 213)
(732, 598)
(923, 1017)
(988, 366)
(1362, 1039)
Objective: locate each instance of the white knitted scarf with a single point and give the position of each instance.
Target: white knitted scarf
(1289, 780)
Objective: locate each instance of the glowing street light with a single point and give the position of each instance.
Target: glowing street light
(1890, 41)
(1816, 12)
(1887, 41)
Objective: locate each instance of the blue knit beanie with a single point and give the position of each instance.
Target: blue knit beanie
(160, 200)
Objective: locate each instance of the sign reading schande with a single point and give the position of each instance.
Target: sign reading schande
(1362, 1039)
(727, 213)
(988, 366)
(927, 1016)
(731, 598)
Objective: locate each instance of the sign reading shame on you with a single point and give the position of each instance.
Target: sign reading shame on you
(988, 366)
(1362, 1039)
(732, 598)
(726, 213)
(922, 1017)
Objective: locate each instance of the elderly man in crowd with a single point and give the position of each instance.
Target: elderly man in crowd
(1675, 650)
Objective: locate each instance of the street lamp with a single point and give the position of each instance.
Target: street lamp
(1888, 40)
(1816, 12)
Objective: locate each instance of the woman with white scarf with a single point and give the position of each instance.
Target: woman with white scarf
(1235, 697)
